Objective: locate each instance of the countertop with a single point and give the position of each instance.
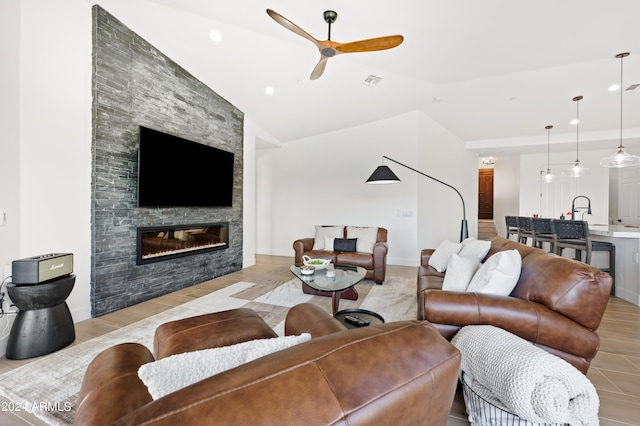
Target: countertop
(619, 231)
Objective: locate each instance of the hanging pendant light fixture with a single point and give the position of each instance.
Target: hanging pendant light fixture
(548, 177)
(620, 158)
(577, 170)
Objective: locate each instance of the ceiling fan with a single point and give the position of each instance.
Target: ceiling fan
(329, 48)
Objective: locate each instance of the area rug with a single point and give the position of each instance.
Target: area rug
(48, 387)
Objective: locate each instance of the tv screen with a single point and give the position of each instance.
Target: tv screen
(175, 172)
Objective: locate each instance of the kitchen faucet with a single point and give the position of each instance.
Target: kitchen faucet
(574, 209)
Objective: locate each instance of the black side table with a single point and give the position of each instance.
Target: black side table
(44, 323)
(347, 316)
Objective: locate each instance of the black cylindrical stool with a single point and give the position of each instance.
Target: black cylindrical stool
(44, 323)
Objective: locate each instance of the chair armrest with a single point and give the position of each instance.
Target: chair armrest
(310, 318)
(300, 247)
(111, 387)
(425, 255)
(380, 250)
(529, 320)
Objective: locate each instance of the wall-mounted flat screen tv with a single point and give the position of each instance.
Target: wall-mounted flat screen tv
(175, 172)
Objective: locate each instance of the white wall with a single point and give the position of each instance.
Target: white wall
(320, 181)
(550, 200)
(442, 156)
(506, 191)
(249, 195)
(9, 145)
(55, 136)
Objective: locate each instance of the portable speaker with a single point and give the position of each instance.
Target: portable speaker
(39, 269)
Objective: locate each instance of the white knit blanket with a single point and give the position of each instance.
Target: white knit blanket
(533, 384)
(178, 371)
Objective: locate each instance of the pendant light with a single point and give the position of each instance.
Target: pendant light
(577, 170)
(620, 158)
(548, 177)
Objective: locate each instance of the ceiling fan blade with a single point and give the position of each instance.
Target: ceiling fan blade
(380, 43)
(292, 27)
(319, 69)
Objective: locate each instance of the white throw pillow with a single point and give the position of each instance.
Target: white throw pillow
(178, 371)
(328, 243)
(326, 231)
(498, 275)
(441, 256)
(460, 271)
(367, 237)
(478, 248)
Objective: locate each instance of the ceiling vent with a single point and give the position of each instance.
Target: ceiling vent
(372, 80)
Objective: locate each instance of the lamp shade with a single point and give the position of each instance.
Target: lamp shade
(382, 175)
(621, 158)
(576, 171)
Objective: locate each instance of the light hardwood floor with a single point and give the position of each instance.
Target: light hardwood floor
(615, 371)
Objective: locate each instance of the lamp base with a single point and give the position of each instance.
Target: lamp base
(464, 230)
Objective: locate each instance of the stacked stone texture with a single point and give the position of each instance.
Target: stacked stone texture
(135, 85)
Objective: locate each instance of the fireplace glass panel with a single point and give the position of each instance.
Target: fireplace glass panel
(165, 242)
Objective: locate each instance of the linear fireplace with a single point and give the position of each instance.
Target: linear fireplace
(156, 243)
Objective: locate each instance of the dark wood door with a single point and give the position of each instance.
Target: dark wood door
(485, 194)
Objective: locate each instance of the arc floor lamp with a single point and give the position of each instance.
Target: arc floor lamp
(384, 175)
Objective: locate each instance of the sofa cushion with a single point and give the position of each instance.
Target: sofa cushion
(498, 275)
(440, 258)
(363, 260)
(326, 231)
(478, 248)
(460, 271)
(328, 243)
(178, 371)
(367, 237)
(342, 245)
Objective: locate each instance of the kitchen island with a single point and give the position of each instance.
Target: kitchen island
(627, 241)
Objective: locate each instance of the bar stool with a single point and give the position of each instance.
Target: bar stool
(542, 233)
(524, 229)
(512, 225)
(575, 234)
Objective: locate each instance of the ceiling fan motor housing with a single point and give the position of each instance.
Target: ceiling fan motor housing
(330, 16)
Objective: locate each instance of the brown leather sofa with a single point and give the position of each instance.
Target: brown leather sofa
(375, 264)
(400, 373)
(557, 303)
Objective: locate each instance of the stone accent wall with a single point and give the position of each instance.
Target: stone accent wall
(134, 84)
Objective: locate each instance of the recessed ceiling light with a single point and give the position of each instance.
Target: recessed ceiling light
(215, 36)
(614, 87)
(575, 121)
(269, 90)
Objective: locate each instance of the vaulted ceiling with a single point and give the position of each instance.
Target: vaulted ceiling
(492, 72)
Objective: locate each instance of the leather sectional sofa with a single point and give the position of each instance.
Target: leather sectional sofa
(557, 303)
(400, 373)
(375, 263)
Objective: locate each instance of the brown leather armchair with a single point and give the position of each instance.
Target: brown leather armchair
(375, 264)
(557, 303)
(400, 373)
